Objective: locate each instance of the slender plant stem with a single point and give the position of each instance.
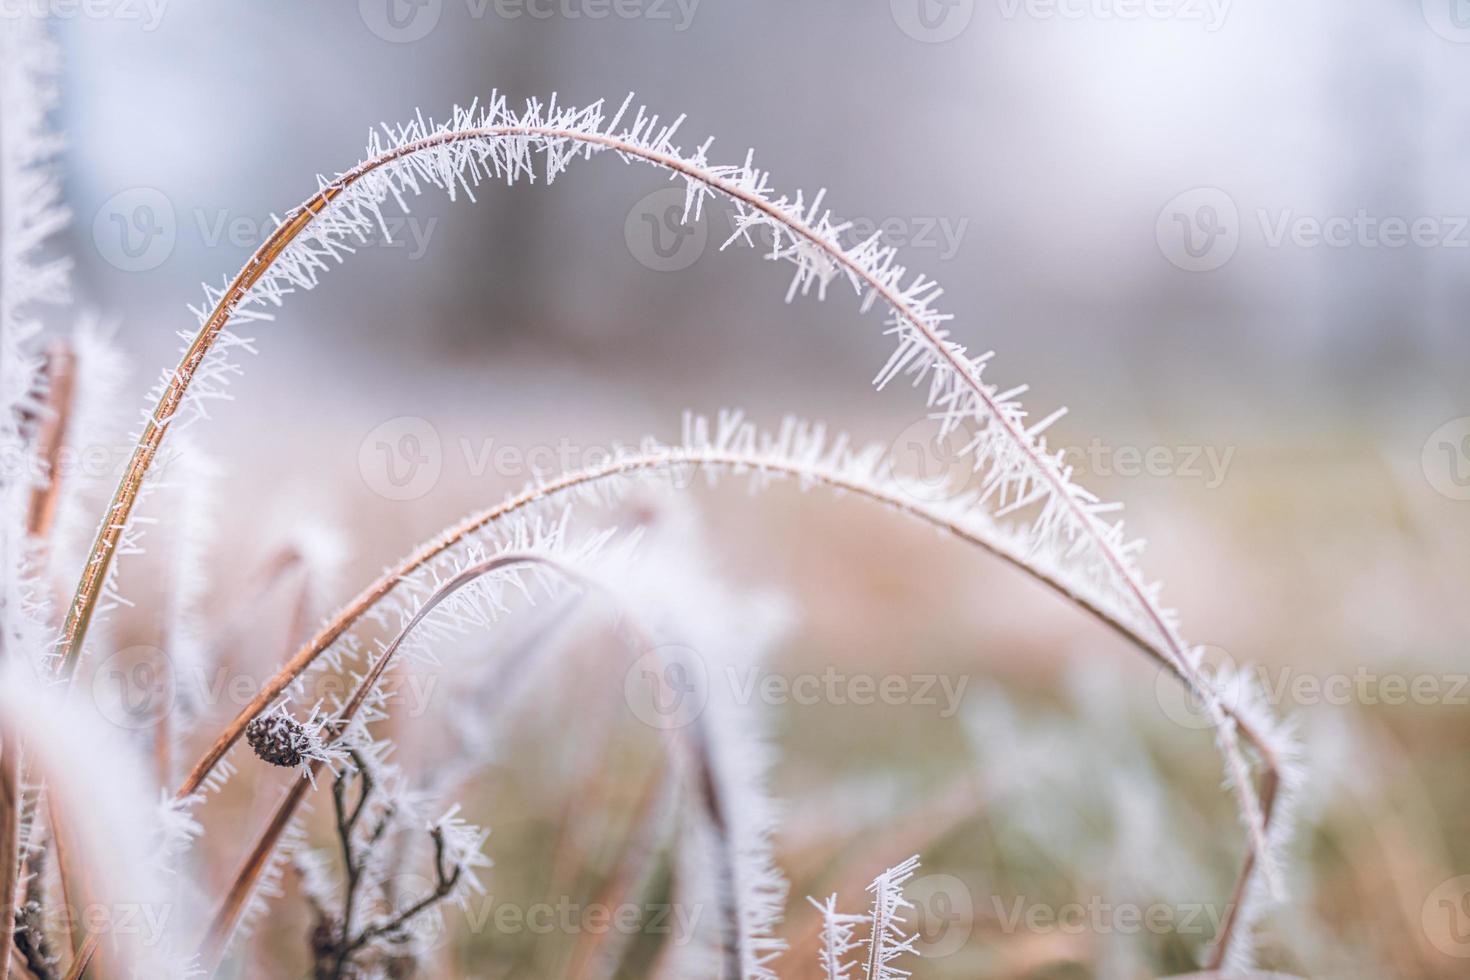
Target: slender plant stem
(655, 461)
(597, 956)
(59, 371)
(217, 936)
(663, 460)
(109, 535)
(51, 435)
(83, 958)
(226, 919)
(9, 841)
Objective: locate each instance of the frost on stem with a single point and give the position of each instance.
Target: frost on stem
(1020, 476)
(837, 939)
(726, 856)
(1021, 479)
(364, 927)
(888, 941)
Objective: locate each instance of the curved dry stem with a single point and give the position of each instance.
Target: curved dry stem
(350, 614)
(232, 907)
(672, 460)
(104, 547)
(10, 804)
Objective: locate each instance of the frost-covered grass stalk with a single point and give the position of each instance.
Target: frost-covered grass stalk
(1025, 509)
(30, 212)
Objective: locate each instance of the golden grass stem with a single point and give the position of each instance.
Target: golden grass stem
(109, 535)
(227, 918)
(9, 842)
(60, 374)
(665, 460)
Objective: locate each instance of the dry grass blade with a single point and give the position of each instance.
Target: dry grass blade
(669, 460)
(9, 842)
(912, 312)
(226, 919)
(1021, 475)
(51, 434)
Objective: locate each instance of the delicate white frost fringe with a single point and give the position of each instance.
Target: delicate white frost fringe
(1058, 523)
(30, 213)
(889, 941)
(717, 634)
(100, 785)
(544, 561)
(837, 940)
(1022, 476)
(186, 639)
(704, 618)
(1240, 690)
(99, 371)
(805, 452)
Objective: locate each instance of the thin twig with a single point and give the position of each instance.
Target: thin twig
(109, 535)
(60, 374)
(227, 917)
(669, 460)
(10, 805)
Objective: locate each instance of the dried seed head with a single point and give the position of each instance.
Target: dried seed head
(279, 739)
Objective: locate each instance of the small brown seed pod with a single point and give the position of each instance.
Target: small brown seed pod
(278, 739)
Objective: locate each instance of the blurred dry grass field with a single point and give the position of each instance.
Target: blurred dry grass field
(1043, 819)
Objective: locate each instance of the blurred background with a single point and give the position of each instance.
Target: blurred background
(1234, 237)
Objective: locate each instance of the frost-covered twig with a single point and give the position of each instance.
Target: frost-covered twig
(338, 942)
(59, 371)
(887, 939)
(346, 731)
(1022, 476)
(798, 451)
(836, 939)
(30, 213)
